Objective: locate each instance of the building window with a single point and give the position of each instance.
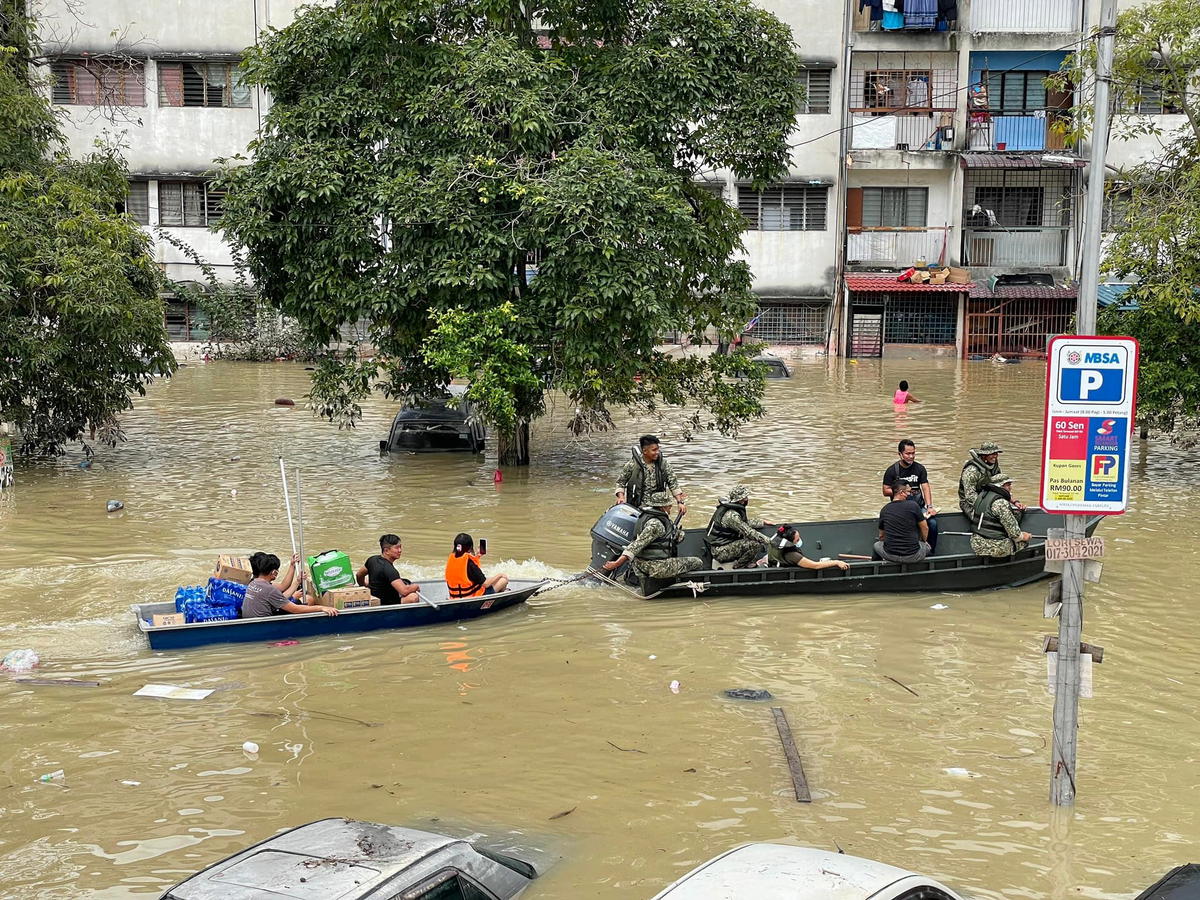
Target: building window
(784, 207)
(1017, 93)
(1013, 207)
(894, 207)
(1116, 208)
(1147, 98)
(907, 89)
(201, 84)
(792, 323)
(137, 204)
(99, 82)
(818, 87)
(189, 203)
(186, 321)
(716, 188)
(931, 319)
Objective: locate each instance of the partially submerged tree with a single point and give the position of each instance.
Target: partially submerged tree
(81, 322)
(506, 193)
(1155, 225)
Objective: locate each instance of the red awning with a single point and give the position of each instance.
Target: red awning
(881, 283)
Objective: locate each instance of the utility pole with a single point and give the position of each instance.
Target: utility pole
(1070, 625)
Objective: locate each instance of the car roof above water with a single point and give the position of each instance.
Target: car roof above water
(327, 859)
(784, 872)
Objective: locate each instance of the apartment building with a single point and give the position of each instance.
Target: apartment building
(927, 135)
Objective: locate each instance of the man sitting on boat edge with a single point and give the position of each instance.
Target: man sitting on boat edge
(732, 536)
(380, 576)
(654, 544)
(996, 520)
(263, 598)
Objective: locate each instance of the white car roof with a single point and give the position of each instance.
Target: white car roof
(783, 872)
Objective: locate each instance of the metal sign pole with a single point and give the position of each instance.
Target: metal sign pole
(1070, 625)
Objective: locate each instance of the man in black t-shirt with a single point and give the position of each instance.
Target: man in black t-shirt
(380, 575)
(912, 473)
(903, 532)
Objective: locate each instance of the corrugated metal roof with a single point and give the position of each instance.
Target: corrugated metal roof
(1032, 291)
(1110, 294)
(1020, 161)
(889, 283)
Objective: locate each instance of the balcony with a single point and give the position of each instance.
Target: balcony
(902, 101)
(900, 132)
(1024, 16)
(1021, 133)
(1015, 247)
(895, 248)
(922, 18)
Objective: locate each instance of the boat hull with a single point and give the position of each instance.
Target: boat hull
(288, 626)
(953, 568)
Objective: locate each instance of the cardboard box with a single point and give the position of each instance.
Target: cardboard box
(233, 568)
(938, 277)
(958, 276)
(167, 619)
(329, 570)
(349, 598)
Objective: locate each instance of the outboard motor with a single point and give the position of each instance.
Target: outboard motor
(612, 532)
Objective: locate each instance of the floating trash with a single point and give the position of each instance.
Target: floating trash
(748, 694)
(114, 505)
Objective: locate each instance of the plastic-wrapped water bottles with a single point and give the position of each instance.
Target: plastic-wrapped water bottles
(184, 594)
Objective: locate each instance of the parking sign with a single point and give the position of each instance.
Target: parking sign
(1091, 387)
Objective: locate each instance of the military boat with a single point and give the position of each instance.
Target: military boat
(953, 568)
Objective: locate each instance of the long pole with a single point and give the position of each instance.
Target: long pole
(288, 503)
(300, 523)
(1070, 623)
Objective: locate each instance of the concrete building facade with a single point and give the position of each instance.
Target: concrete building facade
(928, 136)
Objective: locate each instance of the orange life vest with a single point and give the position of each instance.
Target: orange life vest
(457, 582)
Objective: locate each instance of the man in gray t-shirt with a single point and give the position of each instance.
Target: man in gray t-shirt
(263, 598)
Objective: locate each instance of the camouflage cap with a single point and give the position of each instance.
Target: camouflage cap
(738, 493)
(1001, 479)
(657, 499)
(989, 447)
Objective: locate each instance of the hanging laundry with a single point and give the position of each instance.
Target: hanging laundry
(892, 20)
(918, 92)
(876, 7)
(920, 14)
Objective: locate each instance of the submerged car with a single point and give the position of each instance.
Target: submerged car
(353, 860)
(784, 872)
(776, 367)
(1181, 883)
(436, 425)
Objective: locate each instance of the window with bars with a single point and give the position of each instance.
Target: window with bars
(189, 203)
(1147, 98)
(931, 319)
(201, 84)
(99, 82)
(186, 321)
(784, 207)
(792, 323)
(906, 89)
(137, 204)
(889, 207)
(1015, 207)
(818, 91)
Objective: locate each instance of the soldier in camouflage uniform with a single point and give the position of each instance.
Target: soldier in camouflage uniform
(996, 520)
(653, 547)
(981, 467)
(645, 473)
(732, 536)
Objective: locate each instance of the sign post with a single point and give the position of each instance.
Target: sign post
(1091, 384)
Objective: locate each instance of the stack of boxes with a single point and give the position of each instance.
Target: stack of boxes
(333, 581)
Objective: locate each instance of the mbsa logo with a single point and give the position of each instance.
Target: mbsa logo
(1073, 358)
(1101, 358)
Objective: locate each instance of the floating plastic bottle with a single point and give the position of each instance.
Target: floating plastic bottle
(56, 775)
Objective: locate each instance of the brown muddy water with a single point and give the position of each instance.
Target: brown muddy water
(513, 719)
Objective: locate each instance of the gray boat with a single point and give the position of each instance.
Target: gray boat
(353, 860)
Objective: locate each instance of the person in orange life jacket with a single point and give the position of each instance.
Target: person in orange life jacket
(464, 578)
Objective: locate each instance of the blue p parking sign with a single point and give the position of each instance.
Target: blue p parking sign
(1091, 383)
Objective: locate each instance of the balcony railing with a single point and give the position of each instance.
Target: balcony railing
(1027, 16)
(895, 247)
(863, 23)
(987, 131)
(1014, 246)
(903, 132)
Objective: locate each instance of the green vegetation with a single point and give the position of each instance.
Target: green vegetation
(515, 203)
(1156, 204)
(81, 322)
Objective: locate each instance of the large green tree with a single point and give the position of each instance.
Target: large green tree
(1155, 204)
(506, 192)
(81, 322)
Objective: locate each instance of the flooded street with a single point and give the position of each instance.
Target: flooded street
(563, 704)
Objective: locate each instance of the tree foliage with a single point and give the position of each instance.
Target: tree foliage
(1155, 240)
(81, 322)
(506, 192)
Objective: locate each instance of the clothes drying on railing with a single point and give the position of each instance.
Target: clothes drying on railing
(920, 14)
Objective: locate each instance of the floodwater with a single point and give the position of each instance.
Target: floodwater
(563, 705)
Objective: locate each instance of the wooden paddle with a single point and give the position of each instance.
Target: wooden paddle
(853, 556)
